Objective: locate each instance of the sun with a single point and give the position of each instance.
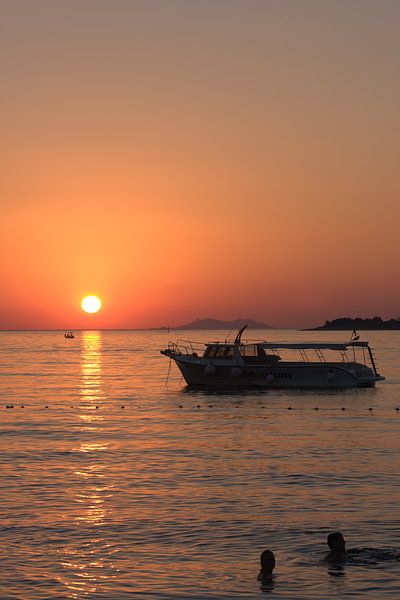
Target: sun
(91, 304)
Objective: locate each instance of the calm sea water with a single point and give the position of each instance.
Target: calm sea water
(115, 485)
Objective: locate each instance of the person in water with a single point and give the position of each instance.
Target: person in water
(338, 553)
(267, 563)
(337, 547)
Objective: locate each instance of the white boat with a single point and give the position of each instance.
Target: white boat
(236, 364)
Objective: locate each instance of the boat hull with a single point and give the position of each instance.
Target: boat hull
(284, 376)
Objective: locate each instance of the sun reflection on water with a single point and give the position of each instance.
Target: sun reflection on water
(86, 565)
(91, 380)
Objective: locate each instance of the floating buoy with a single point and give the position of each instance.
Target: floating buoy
(289, 408)
(210, 370)
(236, 372)
(343, 408)
(316, 408)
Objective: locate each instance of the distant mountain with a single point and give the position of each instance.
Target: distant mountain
(347, 323)
(225, 325)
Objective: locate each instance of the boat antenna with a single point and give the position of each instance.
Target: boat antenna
(231, 329)
(239, 335)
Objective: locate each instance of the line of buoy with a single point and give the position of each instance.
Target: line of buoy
(370, 408)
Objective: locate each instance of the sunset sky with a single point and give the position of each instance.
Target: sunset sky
(198, 158)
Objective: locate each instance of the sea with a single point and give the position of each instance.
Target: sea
(119, 482)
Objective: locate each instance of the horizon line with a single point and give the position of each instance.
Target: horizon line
(162, 328)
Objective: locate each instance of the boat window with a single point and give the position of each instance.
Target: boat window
(210, 352)
(250, 350)
(219, 352)
(228, 352)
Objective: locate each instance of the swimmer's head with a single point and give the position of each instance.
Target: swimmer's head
(336, 542)
(267, 560)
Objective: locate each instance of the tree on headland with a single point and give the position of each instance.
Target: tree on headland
(348, 323)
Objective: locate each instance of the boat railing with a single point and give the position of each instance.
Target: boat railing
(186, 347)
(353, 352)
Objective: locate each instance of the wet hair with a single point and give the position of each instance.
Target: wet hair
(335, 539)
(267, 560)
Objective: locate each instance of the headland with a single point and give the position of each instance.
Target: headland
(348, 323)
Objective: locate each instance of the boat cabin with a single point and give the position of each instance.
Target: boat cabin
(249, 353)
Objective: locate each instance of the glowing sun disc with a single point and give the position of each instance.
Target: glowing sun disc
(91, 304)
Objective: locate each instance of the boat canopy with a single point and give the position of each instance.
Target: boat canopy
(311, 345)
(290, 345)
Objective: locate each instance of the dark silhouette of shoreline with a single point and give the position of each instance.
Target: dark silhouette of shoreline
(347, 323)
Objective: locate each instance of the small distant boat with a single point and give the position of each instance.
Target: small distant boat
(69, 335)
(234, 364)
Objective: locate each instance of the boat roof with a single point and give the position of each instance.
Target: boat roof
(313, 345)
(297, 345)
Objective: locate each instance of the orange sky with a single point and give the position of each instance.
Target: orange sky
(186, 159)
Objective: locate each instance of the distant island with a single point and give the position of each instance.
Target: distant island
(347, 323)
(224, 325)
